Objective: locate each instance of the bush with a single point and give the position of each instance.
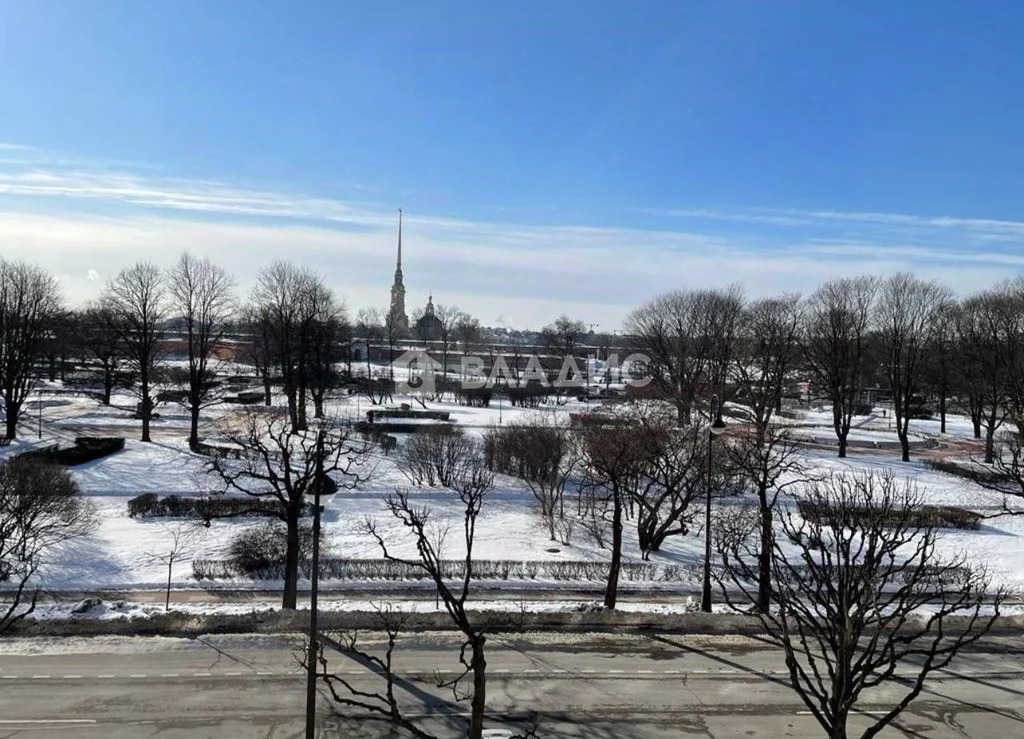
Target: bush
(86, 449)
(206, 507)
(437, 456)
(926, 515)
(259, 551)
(983, 477)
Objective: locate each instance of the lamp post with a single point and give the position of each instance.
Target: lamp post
(311, 658)
(716, 428)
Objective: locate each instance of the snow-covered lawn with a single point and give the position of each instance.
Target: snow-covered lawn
(122, 553)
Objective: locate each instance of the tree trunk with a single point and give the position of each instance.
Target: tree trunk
(301, 408)
(167, 600)
(12, 419)
(108, 386)
(612, 589)
(291, 563)
(479, 702)
(842, 446)
(942, 413)
(147, 407)
(904, 444)
(764, 560)
(193, 431)
(990, 433)
(266, 389)
(293, 412)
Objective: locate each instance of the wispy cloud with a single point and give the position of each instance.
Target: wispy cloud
(980, 227)
(86, 222)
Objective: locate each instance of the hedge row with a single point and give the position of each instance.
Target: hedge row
(151, 505)
(985, 477)
(949, 517)
(86, 449)
(484, 569)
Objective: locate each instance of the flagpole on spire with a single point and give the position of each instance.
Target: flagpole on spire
(399, 238)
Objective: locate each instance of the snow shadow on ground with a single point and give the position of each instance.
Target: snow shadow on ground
(83, 561)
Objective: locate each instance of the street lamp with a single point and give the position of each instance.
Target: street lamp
(319, 489)
(717, 427)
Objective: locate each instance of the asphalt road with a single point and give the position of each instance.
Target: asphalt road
(579, 686)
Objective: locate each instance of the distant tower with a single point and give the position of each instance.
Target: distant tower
(398, 289)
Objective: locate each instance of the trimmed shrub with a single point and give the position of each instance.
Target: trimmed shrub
(943, 517)
(259, 551)
(86, 449)
(254, 555)
(983, 477)
(206, 507)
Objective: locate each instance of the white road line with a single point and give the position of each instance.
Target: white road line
(8, 722)
(40, 677)
(169, 674)
(232, 674)
(137, 676)
(72, 677)
(201, 674)
(105, 677)
(264, 673)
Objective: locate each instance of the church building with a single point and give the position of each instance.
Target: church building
(428, 326)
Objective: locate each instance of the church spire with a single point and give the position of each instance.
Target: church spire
(398, 289)
(398, 268)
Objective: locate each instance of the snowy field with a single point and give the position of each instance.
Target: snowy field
(123, 552)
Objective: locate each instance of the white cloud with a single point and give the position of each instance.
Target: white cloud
(86, 225)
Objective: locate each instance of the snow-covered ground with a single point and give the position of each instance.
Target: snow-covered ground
(124, 553)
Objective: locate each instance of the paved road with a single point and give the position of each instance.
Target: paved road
(582, 686)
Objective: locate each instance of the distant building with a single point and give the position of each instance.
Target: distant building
(429, 327)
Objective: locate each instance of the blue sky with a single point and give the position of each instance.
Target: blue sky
(551, 157)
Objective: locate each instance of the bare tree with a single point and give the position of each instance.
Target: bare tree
(138, 298)
(39, 508)
(987, 344)
(544, 455)
(183, 537)
(280, 296)
(201, 294)
(439, 455)
(940, 357)
(370, 328)
(472, 485)
(770, 463)
(277, 463)
(766, 354)
(614, 458)
(835, 342)
(907, 315)
(689, 338)
(101, 345)
(256, 320)
(29, 300)
(673, 473)
(846, 607)
(448, 318)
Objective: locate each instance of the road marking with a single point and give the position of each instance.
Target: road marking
(232, 674)
(47, 721)
(136, 676)
(72, 677)
(169, 674)
(201, 674)
(105, 677)
(40, 677)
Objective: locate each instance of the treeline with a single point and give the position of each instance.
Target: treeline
(907, 338)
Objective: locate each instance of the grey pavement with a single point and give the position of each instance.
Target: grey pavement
(592, 686)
